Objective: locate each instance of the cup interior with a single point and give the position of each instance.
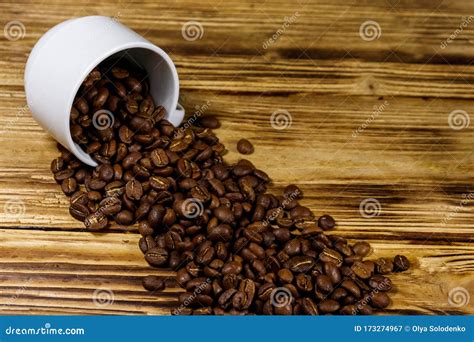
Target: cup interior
(161, 75)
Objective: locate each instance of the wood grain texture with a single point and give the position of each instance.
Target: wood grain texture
(61, 272)
(369, 120)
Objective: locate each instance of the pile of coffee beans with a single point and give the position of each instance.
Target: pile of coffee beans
(236, 248)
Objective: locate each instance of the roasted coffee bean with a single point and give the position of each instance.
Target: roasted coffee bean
(282, 234)
(304, 282)
(205, 253)
(232, 267)
(400, 263)
(326, 222)
(106, 172)
(352, 287)
(224, 214)
(324, 283)
(110, 206)
(285, 275)
(96, 221)
(380, 283)
(361, 270)
(309, 306)
(333, 272)
(146, 242)
(217, 186)
(222, 232)
(69, 186)
(244, 146)
(81, 176)
(119, 73)
(134, 190)
(153, 283)
(97, 184)
(125, 134)
(159, 183)
(157, 256)
(379, 299)
(300, 213)
(57, 165)
(79, 197)
(245, 296)
(225, 299)
(209, 121)
(63, 174)
(361, 248)
(200, 193)
(79, 211)
(292, 192)
(301, 264)
(159, 157)
(124, 217)
(131, 159)
(384, 266)
(292, 247)
(328, 306)
(132, 84)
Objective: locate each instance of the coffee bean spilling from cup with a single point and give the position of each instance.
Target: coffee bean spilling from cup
(236, 248)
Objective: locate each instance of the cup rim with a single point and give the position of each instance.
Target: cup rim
(77, 150)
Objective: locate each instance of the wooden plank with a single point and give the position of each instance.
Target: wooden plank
(321, 52)
(60, 272)
(408, 158)
(263, 75)
(410, 31)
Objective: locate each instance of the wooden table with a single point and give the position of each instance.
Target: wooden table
(378, 100)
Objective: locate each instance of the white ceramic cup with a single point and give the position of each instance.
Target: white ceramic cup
(67, 53)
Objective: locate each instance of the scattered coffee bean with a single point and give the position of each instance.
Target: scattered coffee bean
(380, 300)
(401, 263)
(384, 266)
(361, 248)
(244, 146)
(326, 222)
(209, 121)
(153, 283)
